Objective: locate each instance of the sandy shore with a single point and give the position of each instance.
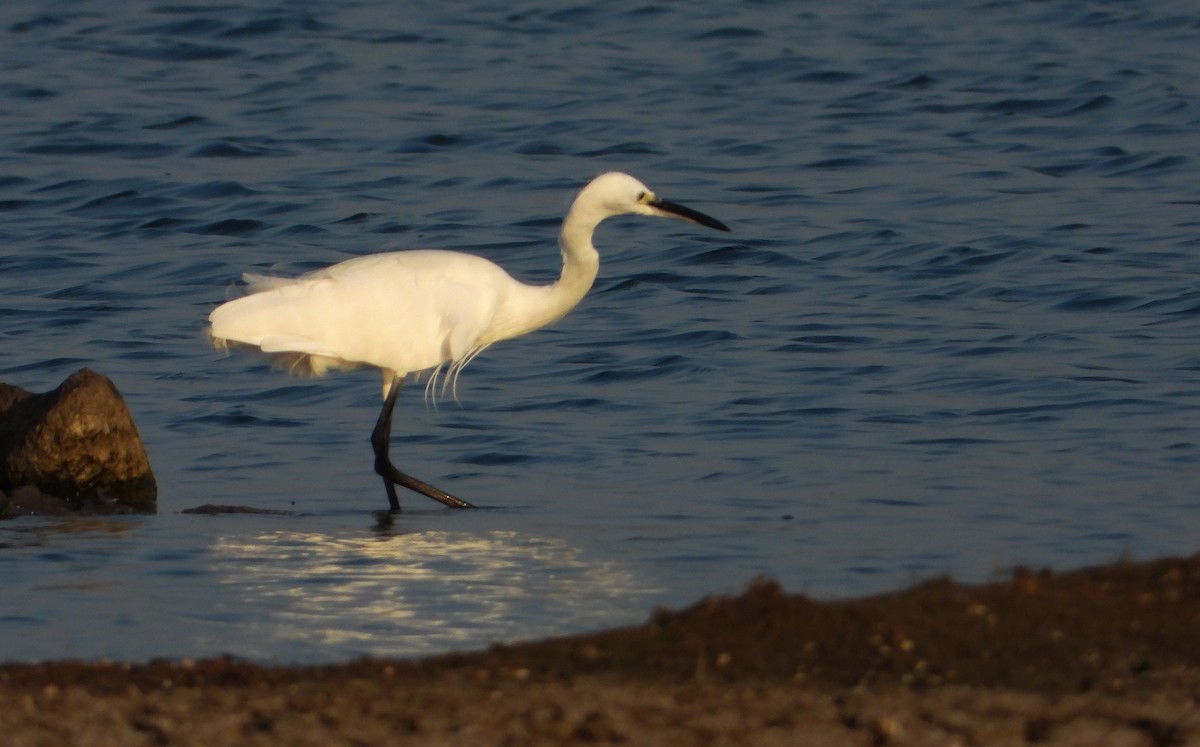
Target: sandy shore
(1102, 656)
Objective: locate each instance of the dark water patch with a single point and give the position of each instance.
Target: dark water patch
(164, 51)
(1024, 106)
(145, 354)
(623, 149)
(1170, 304)
(400, 37)
(542, 148)
(735, 148)
(194, 271)
(176, 123)
(238, 418)
(227, 149)
(1095, 103)
(665, 366)
(893, 418)
(729, 32)
(1113, 379)
(841, 163)
(1093, 405)
(753, 402)
(598, 356)
(494, 459)
(940, 108)
(645, 278)
(982, 351)
(783, 67)
(1157, 165)
(1069, 227)
(357, 218)
(1189, 311)
(46, 262)
(1097, 301)
(119, 204)
(771, 290)
(825, 343)
(272, 26)
(580, 15)
(669, 339)
(951, 441)
(1059, 170)
(50, 364)
(931, 260)
(892, 502)
(742, 254)
(85, 292)
(80, 146)
(191, 26)
(59, 186)
(762, 188)
(802, 413)
(293, 394)
(27, 93)
(39, 22)
(826, 77)
(232, 227)
(867, 570)
(394, 227)
(302, 229)
(217, 190)
(568, 404)
(990, 174)
(429, 143)
(538, 223)
(176, 573)
(919, 82)
(164, 224)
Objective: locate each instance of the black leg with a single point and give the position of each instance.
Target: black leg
(380, 439)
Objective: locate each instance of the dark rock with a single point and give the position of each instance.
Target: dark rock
(76, 444)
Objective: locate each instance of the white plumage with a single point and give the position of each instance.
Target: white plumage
(412, 311)
(401, 312)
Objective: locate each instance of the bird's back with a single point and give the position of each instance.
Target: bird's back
(402, 311)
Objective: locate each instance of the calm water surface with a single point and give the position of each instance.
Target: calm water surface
(954, 329)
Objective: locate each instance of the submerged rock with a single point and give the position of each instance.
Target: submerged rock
(73, 449)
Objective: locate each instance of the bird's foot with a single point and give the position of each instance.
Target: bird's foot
(392, 477)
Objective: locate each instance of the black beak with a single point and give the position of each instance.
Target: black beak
(687, 213)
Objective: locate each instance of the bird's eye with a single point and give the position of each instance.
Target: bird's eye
(641, 196)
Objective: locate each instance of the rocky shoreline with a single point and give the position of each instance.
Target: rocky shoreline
(1106, 655)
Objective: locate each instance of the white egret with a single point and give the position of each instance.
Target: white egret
(424, 310)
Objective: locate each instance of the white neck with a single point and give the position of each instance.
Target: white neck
(581, 261)
(534, 307)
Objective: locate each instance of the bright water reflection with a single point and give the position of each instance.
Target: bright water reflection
(291, 588)
(375, 595)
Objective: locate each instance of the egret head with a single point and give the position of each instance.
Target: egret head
(619, 194)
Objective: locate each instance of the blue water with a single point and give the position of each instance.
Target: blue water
(954, 329)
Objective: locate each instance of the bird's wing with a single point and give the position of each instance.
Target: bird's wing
(295, 344)
(402, 312)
